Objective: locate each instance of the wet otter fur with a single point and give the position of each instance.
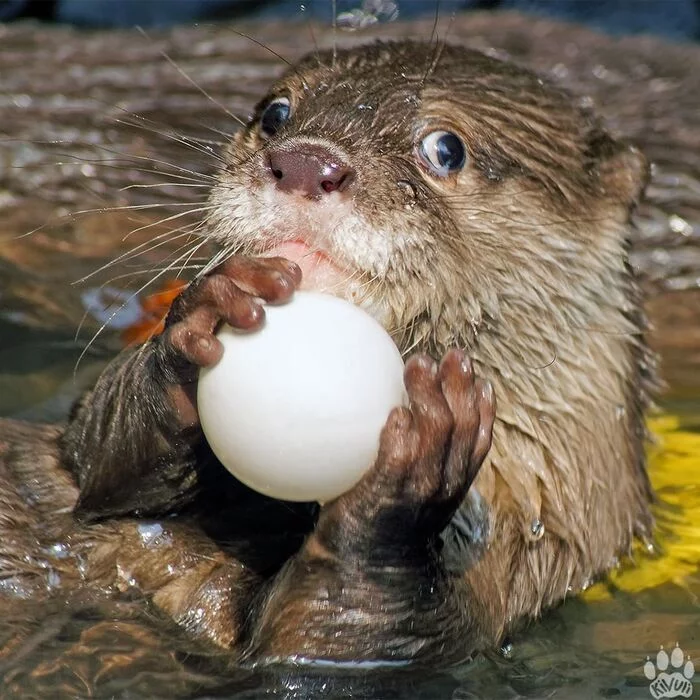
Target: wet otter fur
(518, 258)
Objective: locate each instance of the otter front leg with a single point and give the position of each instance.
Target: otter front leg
(370, 582)
(134, 442)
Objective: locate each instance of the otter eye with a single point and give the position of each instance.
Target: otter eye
(275, 116)
(442, 152)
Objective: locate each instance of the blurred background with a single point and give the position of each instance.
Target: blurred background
(676, 19)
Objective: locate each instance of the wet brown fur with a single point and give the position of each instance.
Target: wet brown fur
(525, 252)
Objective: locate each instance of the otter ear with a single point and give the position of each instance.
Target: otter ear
(624, 173)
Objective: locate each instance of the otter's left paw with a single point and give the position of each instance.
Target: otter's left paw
(429, 455)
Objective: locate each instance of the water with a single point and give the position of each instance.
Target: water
(593, 646)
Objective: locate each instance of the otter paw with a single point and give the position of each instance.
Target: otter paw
(232, 294)
(429, 454)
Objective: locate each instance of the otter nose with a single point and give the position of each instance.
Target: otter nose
(309, 170)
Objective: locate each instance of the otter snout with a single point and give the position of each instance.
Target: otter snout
(309, 170)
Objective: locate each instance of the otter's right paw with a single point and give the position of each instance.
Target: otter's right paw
(231, 294)
(429, 455)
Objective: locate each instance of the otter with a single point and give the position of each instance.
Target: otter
(484, 219)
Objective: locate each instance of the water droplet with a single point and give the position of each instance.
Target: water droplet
(680, 226)
(22, 101)
(600, 71)
(125, 579)
(537, 529)
(15, 587)
(82, 566)
(408, 190)
(662, 660)
(560, 71)
(59, 550)
(153, 534)
(677, 657)
(649, 670)
(355, 19)
(53, 580)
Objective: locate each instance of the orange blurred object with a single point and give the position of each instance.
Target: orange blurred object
(155, 308)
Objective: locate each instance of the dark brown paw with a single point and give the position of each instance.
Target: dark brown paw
(232, 294)
(429, 454)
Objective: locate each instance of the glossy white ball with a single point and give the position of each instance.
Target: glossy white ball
(295, 410)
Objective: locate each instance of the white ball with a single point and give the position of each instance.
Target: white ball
(295, 410)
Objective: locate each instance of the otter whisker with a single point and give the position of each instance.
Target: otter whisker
(262, 45)
(165, 130)
(194, 83)
(143, 207)
(439, 48)
(127, 163)
(334, 24)
(181, 139)
(168, 219)
(134, 295)
(197, 175)
(127, 166)
(186, 264)
(160, 185)
(194, 264)
(312, 34)
(142, 248)
(188, 231)
(221, 256)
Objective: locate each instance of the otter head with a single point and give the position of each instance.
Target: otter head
(463, 201)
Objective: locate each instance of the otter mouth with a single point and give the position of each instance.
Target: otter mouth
(320, 273)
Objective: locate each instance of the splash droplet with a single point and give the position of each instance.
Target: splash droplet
(53, 580)
(680, 226)
(153, 535)
(537, 529)
(59, 550)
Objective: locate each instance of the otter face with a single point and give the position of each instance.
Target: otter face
(464, 189)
